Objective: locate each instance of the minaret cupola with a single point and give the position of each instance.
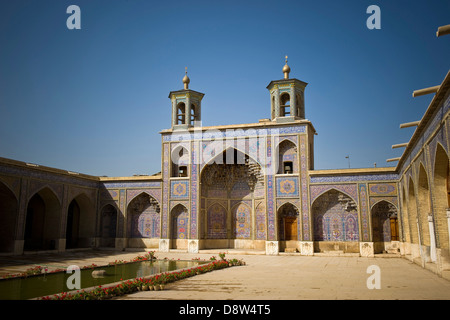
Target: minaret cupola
(186, 106)
(287, 97)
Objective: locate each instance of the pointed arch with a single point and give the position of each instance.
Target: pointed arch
(217, 221)
(332, 188)
(424, 205)
(240, 155)
(384, 222)
(181, 113)
(386, 200)
(153, 198)
(335, 217)
(242, 166)
(42, 187)
(143, 216)
(285, 105)
(441, 195)
(405, 216)
(288, 217)
(43, 220)
(180, 224)
(8, 218)
(242, 218)
(412, 211)
(81, 222)
(180, 161)
(9, 185)
(287, 152)
(108, 225)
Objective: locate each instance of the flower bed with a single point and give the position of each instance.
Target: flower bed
(38, 270)
(154, 282)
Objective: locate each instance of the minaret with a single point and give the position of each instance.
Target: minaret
(186, 106)
(287, 97)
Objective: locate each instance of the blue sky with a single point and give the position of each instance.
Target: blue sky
(94, 100)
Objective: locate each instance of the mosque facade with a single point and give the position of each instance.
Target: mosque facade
(247, 186)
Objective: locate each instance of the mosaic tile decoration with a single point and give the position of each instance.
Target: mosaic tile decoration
(164, 222)
(122, 206)
(260, 221)
(270, 197)
(222, 134)
(48, 176)
(108, 194)
(364, 212)
(354, 178)
(349, 189)
(118, 185)
(242, 219)
(145, 225)
(287, 187)
(381, 223)
(293, 138)
(217, 222)
(374, 200)
(383, 189)
(174, 203)
(434, 123)
(240, 190)
(180, 222)
(332, 222)
(194, 190)
(304, 186)
(179, 189)
(154, 193)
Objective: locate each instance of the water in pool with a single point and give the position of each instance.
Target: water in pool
(48, 284)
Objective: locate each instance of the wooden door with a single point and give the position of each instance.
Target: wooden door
(290, 228)
(394, 229)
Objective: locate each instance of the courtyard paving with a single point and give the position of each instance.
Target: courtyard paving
(282, 277)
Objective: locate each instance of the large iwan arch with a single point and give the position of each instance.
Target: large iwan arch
(335, 219)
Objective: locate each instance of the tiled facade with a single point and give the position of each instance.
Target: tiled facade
(238, 204)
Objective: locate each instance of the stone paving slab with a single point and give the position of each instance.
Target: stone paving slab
(287, 277)
(282, 277)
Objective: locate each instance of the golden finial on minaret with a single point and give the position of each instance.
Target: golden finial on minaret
(186, 80)
(286, 69)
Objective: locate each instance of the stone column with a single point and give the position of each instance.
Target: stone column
(293, 102)
(432, 238)
(199, 113)
(174, 112)
(188, 109)
(277, 102)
